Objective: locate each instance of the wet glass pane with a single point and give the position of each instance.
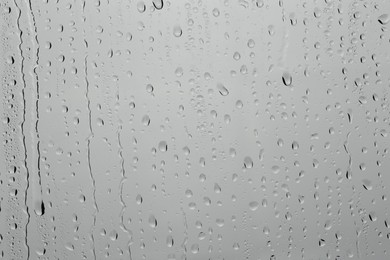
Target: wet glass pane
(193, 130)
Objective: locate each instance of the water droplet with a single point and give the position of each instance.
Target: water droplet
(69, 246)
(222, 89)
(152, 221)
(328, 225)
(39, 208)
(170, 241)
(195, 248)
(259, 3)
(179, 71)
(100, 122)
(220, 222)
(188, 193)
(139, 199)
(113, 235)
(287, 79)
(384, 19)
(201, 235)
(372, 216)
(236, 56)
(216, 12)
(251, 43)
(141, 6)
(163, 146)
(217, 188)
(239, 104)
(248, 162)
(253, 205)
(275, 169)
(177, 31)
(149, 88)
(158, 4)
(145, 120)
(367, 184)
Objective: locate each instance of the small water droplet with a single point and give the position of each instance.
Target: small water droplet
(69, 246)
(146, 120)
(216, 12)
(222, 89)
(113, 235)
(177, 31)
(295, 145)
(149, 88)
(253, 205)
(236, 56)
(217, 188)
(195, 248)
(275, 169)
(100, 122)
(139, 199)
(367, 184)
(259, 3)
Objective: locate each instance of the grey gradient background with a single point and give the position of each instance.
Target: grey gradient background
(195, 129)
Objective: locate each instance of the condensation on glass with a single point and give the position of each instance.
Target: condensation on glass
(246, 129)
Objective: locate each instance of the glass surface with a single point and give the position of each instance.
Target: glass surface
(246, 129)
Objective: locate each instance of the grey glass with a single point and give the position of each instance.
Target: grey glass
(235, 129)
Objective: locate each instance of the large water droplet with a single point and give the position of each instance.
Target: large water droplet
(163, 146)
(39, 208)
(141, 6)
(248, 162)
(152, 221)
(287, 79)
(170, 241)
(158, 4)
(384, 19)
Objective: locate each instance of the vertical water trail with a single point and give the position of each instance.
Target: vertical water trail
(185, 240)
(36, 180)
(19, 11)
(123, 180)
(89, 138)
(90, 135)
(123, 174)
